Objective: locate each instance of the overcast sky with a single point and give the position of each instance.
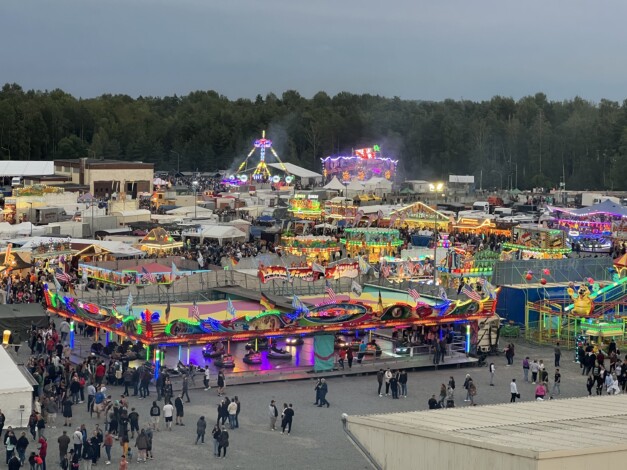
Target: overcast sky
(415, 49)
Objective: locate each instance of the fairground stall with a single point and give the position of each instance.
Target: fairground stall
(534, 242)
(465, 264)
(318, 249)
(159, 242)
(306, 206)
(479, 227)
(373, 243)
(419, 215)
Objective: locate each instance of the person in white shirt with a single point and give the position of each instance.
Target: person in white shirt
(513, 388)
(387, 376)
(492, 371)
(206, 379)
(168, 411)
(232, 409)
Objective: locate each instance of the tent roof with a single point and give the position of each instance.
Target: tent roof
(118, 249)
(378, 183)
(296, 170)
(153, 268)
(355, 185)
(158, 236)
(93, 250)
(13, 381)
(26, 168)
(605, 207)
(335, 185)
(621, 261)
(132, 212)
(19, 263)
(189, 210)
(219, 232)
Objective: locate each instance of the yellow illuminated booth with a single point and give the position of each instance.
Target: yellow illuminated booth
(313, 248)
(306, 206)
(159, 241)
(535, 242)
(372, 242)
(419, 215)
(477, 226)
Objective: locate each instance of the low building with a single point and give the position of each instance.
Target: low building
(106, 177)
(573, 434)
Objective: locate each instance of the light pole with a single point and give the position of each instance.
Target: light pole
(178, 160)
(435, 188)
(195, 186)
(30, 217)
(6, 149)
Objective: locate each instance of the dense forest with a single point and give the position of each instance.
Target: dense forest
(503, 142)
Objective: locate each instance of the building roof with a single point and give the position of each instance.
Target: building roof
(605, 207)
(335, 185)
(576, 425)
(26, 168)
(296, 170)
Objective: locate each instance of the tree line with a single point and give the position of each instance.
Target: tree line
(523, 143)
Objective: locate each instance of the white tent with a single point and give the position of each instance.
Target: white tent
(379, 186)
(190, 211)
(354, 188)
(26, 168)
(216, 232)
(16, 392)
(335, 185)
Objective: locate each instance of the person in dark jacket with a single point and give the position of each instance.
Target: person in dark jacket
(223, 442)
(201, 428)
(323, 393)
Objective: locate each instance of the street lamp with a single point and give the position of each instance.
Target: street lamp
(436, 188)
(6, 149)
(178, 160)
(30, 217)
(195, 186)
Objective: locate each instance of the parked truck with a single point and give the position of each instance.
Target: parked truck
(48, 215)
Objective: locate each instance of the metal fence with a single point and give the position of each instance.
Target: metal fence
(561, 270)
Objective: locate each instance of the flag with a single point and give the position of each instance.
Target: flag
(358, 217)
(57, 285)
(413, 293)
(364, 266)
(356, 288)
(443, 295)
(315, 267)
(129, 302)
(380, 303)
(266, 303)
(195, 311)
(234, 261)
(167, 312)
(393, 218)
(299, 305)
(201, 260)
(289, 277)
(230, 308)
(114, 307)
(84, 277)
(175, 270)
(62, 276)
(330, 292)
(148, 275)
(385, 270)
(471, 293)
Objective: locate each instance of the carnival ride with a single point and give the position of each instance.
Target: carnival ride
(153, 330)
(362, 165)
(534, 242)
(597, 310)
(260, 172)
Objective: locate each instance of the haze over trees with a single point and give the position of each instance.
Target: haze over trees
(506, 143)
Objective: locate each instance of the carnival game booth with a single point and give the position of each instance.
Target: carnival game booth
(306, 206)
(592, 228)
(403, 269)
(535, 242)
(464, 264)
(146, 274)
(340, 209)
(419, 215)
(371, 242)
(317, 249)
(159, 242)
(479, 227)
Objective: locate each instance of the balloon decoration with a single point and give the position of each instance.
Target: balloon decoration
(529, 277)
(543, 281)
(546, 272)
(590, 281)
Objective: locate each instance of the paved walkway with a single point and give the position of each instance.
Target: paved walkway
(317, 439)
